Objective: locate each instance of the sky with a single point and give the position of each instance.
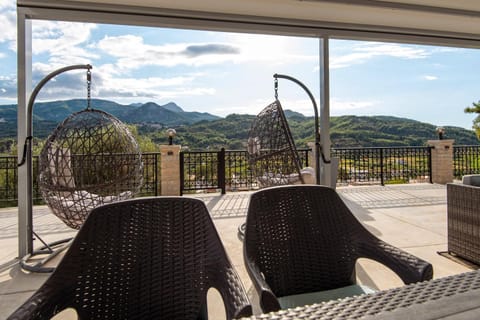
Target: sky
(225, 73)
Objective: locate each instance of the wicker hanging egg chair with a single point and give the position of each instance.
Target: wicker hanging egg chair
(90, 159)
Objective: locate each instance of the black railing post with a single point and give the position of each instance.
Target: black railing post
(430, 163)
(157, 170)
(382, 181)
(182, 172)
(221, 170)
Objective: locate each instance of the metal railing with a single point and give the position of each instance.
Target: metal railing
(466, 160)
(199, 170)
(238, 175)
(9, 179)
(386, 165)
(229, 170)
(224, 170)
(151, 174)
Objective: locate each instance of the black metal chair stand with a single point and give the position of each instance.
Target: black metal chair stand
(90, 159)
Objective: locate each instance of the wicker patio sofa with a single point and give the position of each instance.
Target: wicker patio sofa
(463, 214)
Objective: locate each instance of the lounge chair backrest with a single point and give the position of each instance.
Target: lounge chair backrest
(303, 238)
(146, 258)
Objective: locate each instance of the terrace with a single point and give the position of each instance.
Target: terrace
(410, 216)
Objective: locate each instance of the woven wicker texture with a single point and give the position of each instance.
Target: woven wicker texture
(90, 159)
(463, 216)
(148, 258)
(272, 154)
(303, 238)
(383, 301)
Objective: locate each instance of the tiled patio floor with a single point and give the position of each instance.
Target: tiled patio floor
(412, 217)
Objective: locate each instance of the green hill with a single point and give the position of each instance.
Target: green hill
(346, 131)
(383, 131)
(56, 111)
(200, 131)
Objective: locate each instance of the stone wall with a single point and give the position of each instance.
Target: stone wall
(442, 160)
(170, 170)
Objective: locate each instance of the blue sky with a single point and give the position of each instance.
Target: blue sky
(224, 73)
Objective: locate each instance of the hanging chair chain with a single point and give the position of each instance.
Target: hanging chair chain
(89, 85)
(275, 85)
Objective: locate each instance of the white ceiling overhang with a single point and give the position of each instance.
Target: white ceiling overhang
(442, 22)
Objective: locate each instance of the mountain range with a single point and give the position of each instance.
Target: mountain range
(47, 115)
(56, 111)
(201, 131)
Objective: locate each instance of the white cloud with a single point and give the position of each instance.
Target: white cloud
(430, 78)
(128, 53)
(274, 50)
(8, 85)
(349, 59)
(132, 53)
(394, 50)
(341, 107)
(63, 41)
(366, 51)
(8, 21)
(151, 87)
(68, 85)
(108, 82)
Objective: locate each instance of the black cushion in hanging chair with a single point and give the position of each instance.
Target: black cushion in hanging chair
(90, 159)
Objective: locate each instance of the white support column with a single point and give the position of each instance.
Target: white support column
(325, 143)
(24, 80)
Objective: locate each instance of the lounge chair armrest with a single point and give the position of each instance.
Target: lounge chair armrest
(44, 304)
(268, 300)
(236, 301)
(407, 266)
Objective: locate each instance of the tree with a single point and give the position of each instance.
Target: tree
(475, 108)
(144, 142)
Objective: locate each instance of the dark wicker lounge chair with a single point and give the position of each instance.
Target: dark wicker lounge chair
(149, 258)
(463, 215)
(303, 239)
